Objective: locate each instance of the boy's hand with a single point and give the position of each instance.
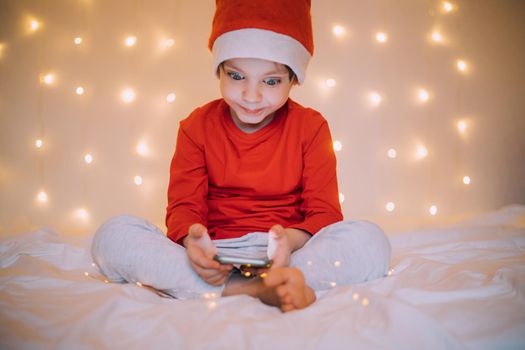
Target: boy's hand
(201, 251)
(282, 242)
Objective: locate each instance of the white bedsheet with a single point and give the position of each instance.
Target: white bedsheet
(461, 287)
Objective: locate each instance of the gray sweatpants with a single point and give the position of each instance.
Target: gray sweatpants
(130, 249)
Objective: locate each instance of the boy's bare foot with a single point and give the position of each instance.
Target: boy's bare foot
(282, 287)
(289, 286)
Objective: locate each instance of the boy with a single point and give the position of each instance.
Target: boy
(255, 172)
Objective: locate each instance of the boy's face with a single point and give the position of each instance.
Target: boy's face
(254, 89)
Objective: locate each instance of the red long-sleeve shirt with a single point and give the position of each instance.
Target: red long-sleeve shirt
(235, 183)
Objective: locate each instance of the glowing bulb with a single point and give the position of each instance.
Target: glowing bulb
(79, 90)
(341, 197)
(390, 272)
(381, 37)
(86, 274)
(78, 40)
(462, 65)
(392, 153)
(48, 78)
(138, 284)
(142, 149)
(128, 95)
(437, 37)
(171, 97)
(338, 145)
(466, 180)
(337, 264)
(423, 95)
(39, 143)
(42, 197)
(2, 46)
(130, 41)
(375, 98)
(333, 284)
(88, 158)
(138, 180)
(462, 126)
(82, 214)
(447, 6)
(309, 263)
(338, 30)
(165, 43)
(365, 302)
(34, 25)
(433, 210)
(212, 305)
(421, 152)
(355, 296)
(330, 83)
(390, 206)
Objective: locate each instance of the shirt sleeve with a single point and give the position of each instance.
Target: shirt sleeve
(188, 187)
(320, 195)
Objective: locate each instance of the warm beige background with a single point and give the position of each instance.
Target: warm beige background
(489, 35)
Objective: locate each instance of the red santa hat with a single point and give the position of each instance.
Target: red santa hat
(274, 30)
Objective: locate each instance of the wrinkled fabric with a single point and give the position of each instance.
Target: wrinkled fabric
(460, 287)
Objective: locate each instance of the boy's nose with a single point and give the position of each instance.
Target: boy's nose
(251, 94)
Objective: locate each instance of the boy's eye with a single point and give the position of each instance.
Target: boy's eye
(235, 76)
(272, 81)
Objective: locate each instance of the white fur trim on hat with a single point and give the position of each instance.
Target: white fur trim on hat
(263, 44)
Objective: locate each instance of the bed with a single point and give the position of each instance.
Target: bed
(458, 287)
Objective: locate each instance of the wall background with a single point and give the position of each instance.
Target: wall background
(488, 97)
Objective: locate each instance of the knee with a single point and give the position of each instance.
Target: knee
(115, 233)
(366, 240)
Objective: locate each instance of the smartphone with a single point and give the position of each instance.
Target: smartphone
(249, 262)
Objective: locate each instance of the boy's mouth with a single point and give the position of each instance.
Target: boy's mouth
(251, 111)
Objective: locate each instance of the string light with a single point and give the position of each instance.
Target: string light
(86, 274)
(461, 65)
(128, 95)
(392, 153)
(355, 296)
(466, 180)
(341, 198)
(48, 78)
(447, 7)
(309, 263)
(333, 284)
(462, 126)
(171, 98)
(338, 30)
(365, 302)
(79, 90)
(433, 210)
(423, 95)
(390, 272)
(39, 143)
(166, 43)
(34, 25)
(78, 40)
(390, 206)
(2, 47)
(88, 158)
(82, 214)
(337, 263)
(42, 197)
(421, 152)
(138, 180)
(338, 146)
(375, 98)
(138, 284)
(437, 37)
(130, 41)
(142, 149)
(381, 37)
(330, 83)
